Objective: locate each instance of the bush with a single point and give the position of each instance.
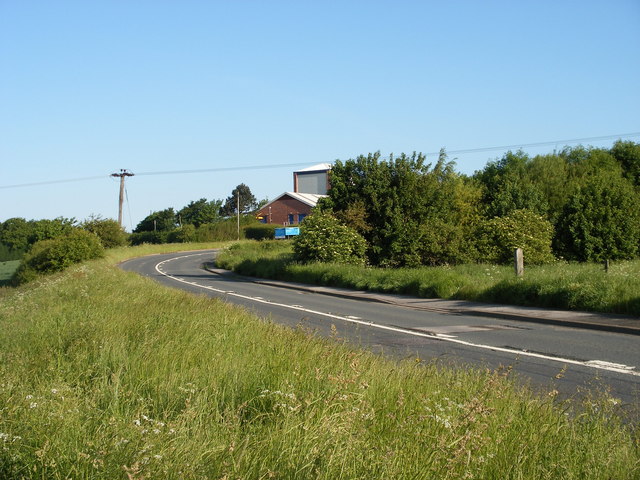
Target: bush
(148, 237)
(260, 232)
(601, 221)
(108, 231)
(324, 239)
(183, 234)
(523, 229)
(48, 256)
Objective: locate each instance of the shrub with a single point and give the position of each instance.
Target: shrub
(138, 238)
(183, 234)
(524, 229)
(260, 232)
(324, 239)
(601, 221)
(48, 256)
(108, 231)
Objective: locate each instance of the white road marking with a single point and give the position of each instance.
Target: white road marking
(597, 364)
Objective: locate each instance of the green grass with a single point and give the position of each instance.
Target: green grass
(106, 374)
(560, 285)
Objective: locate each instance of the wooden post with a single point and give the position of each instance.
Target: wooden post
(518, 261)
(606, 266)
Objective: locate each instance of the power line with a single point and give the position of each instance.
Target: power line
(52, 182)
(297, 164)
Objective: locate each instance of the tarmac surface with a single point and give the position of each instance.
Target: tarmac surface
(576, 319)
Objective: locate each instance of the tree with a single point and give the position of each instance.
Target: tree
(628, 155)
(200, 212)
(161, 221)
(15, 233)
(247, 201)
(507, 187)
(600, 221)
(109, 231)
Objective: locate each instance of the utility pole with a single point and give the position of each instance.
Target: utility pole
(123, 173)
(238, 203)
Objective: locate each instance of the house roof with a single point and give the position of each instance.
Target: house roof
(316, 168)
(310, 199)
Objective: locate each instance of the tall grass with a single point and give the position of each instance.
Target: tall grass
(105, 374)
(561, 285)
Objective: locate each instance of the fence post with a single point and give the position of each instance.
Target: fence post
(606, 266)
(518, 261)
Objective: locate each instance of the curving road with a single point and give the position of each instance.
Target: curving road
(569, 360)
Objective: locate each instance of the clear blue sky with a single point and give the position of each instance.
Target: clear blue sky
(90, 87)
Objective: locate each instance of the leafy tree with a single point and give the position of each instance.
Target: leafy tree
(600, 221)
(15, 233)
(47, 229)
(324, 239)
(507, 186)
(247, 201)
(628, 155)
(200, 212)
(110, 233)
(161, 221)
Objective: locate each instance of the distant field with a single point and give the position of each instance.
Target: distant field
(7, 269)
(105, 374)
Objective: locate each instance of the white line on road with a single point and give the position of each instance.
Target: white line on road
(597, 364)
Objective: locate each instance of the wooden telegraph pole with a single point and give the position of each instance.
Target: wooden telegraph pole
(123, 173)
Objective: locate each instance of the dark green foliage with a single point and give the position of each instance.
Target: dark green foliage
(184, 234)
(15, 233)
(7, 253)
(162, 221)
(260, 232)
(497, 238)
(108, 231)
(200, 212)
(600, 221)
(628, 155)
(20, 234)
(409, 213)
(139, 238)
(48, 256)
(324, 239)
(507, 186)
(248, 202)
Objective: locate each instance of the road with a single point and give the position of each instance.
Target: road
(569, 360)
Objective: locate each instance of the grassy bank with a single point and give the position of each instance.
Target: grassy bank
(105, 374)
(561, 285)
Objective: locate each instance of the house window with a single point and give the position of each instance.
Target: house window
(301, 217)
(291, 219)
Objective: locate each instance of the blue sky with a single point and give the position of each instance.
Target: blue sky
(88, 88)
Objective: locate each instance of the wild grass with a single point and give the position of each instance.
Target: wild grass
(561, 285)
(105, 374)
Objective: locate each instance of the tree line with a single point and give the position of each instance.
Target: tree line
(579, 204)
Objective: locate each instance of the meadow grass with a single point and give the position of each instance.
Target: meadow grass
(562, 285)
(106, 374)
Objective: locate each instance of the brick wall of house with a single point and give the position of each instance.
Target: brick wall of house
(282, 208)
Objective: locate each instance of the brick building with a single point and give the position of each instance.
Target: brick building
(290, 208)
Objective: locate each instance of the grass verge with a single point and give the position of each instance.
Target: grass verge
(106, 374)
(562, 285)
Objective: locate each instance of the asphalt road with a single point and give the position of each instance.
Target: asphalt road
(569, 360)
